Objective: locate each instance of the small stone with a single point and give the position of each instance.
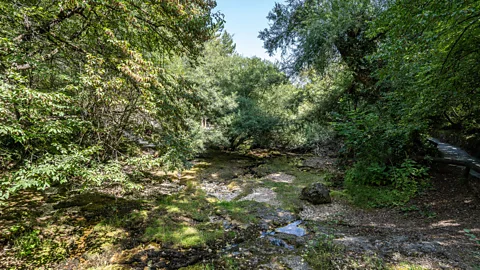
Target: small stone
(316, 193)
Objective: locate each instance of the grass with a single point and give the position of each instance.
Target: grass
(224, 263)
(340, 195)
(201, 266)
(183, 221)
(289, 193)
(181, 235)
(322, 253)
(238, 210)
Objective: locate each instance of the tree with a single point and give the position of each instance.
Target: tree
(367, 112)
(317, 33)
(247, 100)
(430, 54)
(77, 76)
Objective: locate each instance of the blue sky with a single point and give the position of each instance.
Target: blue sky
(244, 19)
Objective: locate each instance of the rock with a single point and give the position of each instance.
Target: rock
(280, 177)
(422, 247)
(295, 263)
(279, 242)
(357, 244)
(316, 193)
(262, 195)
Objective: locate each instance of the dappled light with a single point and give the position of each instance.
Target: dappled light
(446, 223)
(136, 134)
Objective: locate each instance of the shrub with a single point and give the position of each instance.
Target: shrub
(381, 153)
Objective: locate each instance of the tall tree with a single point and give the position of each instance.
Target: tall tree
(316, 33)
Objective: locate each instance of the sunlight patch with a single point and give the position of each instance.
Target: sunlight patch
(262, 195)
(280, 177)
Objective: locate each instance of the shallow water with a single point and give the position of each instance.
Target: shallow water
(293, 229)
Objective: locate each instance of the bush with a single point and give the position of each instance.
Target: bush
(381, 156)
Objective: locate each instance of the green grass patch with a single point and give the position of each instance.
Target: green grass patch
(201, 266)
(224, 262)
(194, 206)
(184, 220)
(238, 210)
(289, 193)
(181, 235)
(321, 253)
(38, 250)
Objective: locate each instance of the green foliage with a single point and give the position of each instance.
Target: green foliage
(318, 33)
(373, 185)
(76, 77)
(381, 153)
(430, 55)
(250, 101)
(372, 138)
(472, 236)
(86, 87)
(246, 100)
(40, 251)
(402, 72)
(320, 254)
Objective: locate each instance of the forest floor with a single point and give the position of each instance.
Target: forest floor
(227, 213)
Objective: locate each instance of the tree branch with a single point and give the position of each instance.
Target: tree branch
(455, 44)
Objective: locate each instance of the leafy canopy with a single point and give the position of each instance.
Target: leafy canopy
(82, 81)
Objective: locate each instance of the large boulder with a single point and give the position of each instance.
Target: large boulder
(316, 193)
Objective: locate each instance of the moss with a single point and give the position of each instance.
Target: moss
(85, 199)
(181, 235)
(105, 235)
(322, 253)
(340, 195)
(38, 250)
(242, 211)
(182, 221)
(98, 204)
